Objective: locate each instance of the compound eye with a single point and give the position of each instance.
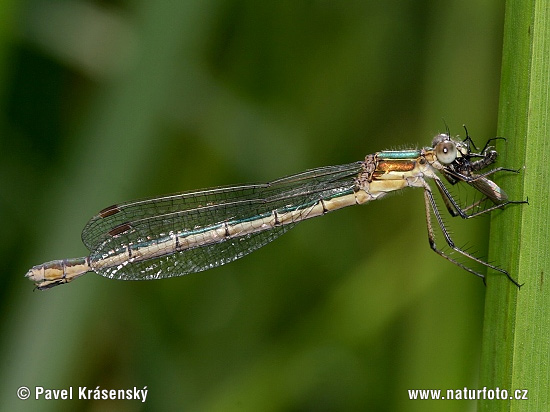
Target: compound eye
(446, 152)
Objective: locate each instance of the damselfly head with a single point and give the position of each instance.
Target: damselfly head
(446, 150)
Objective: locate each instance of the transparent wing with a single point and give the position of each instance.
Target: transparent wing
(191, 260)
(187, 210)
(150, 221)
(490, 189)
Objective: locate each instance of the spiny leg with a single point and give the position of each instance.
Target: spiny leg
(456, 210)
(431, 205)
(473, 177)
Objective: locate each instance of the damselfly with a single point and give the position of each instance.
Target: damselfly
(188, 232)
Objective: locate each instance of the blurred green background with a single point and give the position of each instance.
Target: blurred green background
(107, 101)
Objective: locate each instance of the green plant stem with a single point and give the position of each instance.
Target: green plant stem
(516, 335)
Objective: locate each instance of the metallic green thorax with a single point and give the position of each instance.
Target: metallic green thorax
(399, 154)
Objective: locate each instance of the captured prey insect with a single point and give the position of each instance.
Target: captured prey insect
(188, 232)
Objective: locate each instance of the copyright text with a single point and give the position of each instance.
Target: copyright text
(84, 393)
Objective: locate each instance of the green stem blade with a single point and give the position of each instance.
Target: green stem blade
(516, 335)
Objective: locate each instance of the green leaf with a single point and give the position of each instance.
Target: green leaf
(516, 335)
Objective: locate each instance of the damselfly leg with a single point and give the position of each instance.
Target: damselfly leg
(460, 168)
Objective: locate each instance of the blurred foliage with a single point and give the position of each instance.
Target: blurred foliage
(105, 101)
